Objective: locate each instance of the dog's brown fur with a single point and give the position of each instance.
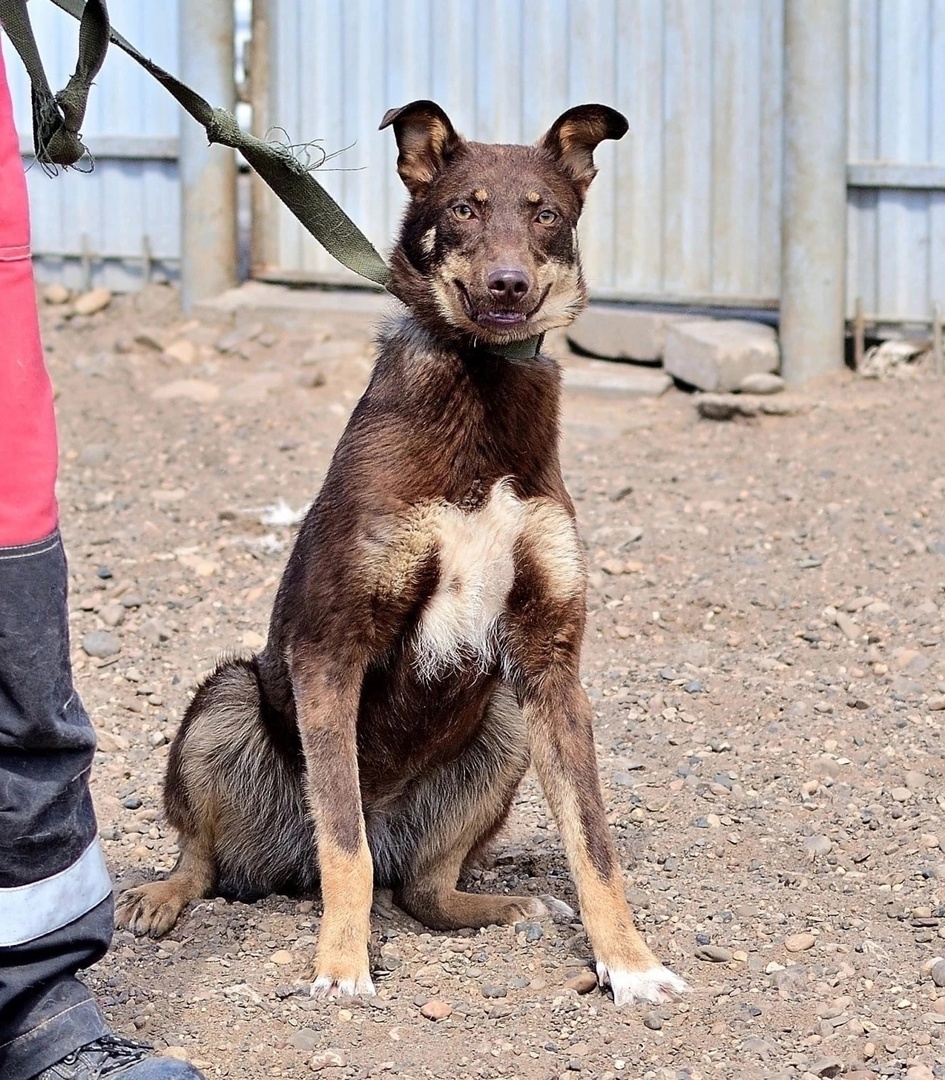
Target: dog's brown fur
(425, 639)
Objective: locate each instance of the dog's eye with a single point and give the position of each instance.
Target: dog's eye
(547, 217)
(463, 212)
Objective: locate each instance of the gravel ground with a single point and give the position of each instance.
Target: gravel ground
(765, 651)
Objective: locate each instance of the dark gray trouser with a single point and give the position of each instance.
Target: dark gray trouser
(46, 821)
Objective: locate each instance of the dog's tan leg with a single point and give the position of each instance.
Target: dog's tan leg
(544, 632)
(559, 724)
(327, 705)
(153, 909)
(559, 720)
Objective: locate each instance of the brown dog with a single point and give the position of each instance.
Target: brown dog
(426, 636)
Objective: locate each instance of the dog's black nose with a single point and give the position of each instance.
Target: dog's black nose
(508, 284)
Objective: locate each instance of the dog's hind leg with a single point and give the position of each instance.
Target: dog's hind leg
(153, 909)
(453, 814)
(236, 803)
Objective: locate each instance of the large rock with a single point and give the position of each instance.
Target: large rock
(622, 333)
(718, 354)
(611, 379)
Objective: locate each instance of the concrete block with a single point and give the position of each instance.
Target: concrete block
(613, 379)
(622, 333)
(717, 354)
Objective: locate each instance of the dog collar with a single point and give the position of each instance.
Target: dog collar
(515, 350)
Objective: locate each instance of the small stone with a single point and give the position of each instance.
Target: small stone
(306, 1039)
(156, 739)
(900, 794)
(234, 339)
(56, 294)
(112, 614)
(936, 703)
(713, 954)
(327, 1059)
(827, 1066)
(799, 942)
(198, 390)
(100, 644)
(583, 983)
(532, 931)
(435, 1009)
(92, 301)
(937, 972)
(817, 846)
(919, 1072)
(154, 632)
(282, 957)
(714, 406)
(761, 382)
(182, 350)
(109, 743)
(166, 496)
(493, 990)
(653, 1021)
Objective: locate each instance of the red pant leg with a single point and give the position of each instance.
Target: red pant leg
(28, 449)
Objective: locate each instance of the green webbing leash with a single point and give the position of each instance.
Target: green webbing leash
(57, 119)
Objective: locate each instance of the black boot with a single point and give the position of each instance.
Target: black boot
(111, 1056)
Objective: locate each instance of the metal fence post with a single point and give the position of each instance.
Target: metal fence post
(813, 210)
(208, 173)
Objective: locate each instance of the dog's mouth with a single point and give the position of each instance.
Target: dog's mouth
(498, 319)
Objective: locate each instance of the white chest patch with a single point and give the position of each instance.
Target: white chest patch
(476, 553)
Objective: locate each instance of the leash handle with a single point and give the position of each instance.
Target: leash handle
(57, 118)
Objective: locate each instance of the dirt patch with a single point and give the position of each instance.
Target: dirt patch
(765, 652)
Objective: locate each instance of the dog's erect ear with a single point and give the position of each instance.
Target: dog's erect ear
(573, 137)
(425, 139)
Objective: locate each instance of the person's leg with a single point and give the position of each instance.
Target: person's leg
(55, 892)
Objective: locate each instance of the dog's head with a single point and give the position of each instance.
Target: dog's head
(488, 246)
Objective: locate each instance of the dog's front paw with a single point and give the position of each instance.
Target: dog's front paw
(328, 985)
(655, 985)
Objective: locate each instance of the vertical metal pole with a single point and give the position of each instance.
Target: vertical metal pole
(264, 225)
(813, 209)
(208, 173)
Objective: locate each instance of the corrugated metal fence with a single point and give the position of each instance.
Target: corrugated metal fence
(896, 232)
(686, 209)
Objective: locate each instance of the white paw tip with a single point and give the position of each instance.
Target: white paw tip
(326, 986)
(655, 986)
(558, 909)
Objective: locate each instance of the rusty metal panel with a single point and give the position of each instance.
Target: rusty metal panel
(896, 246)
(685, 209)
(104, 227)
